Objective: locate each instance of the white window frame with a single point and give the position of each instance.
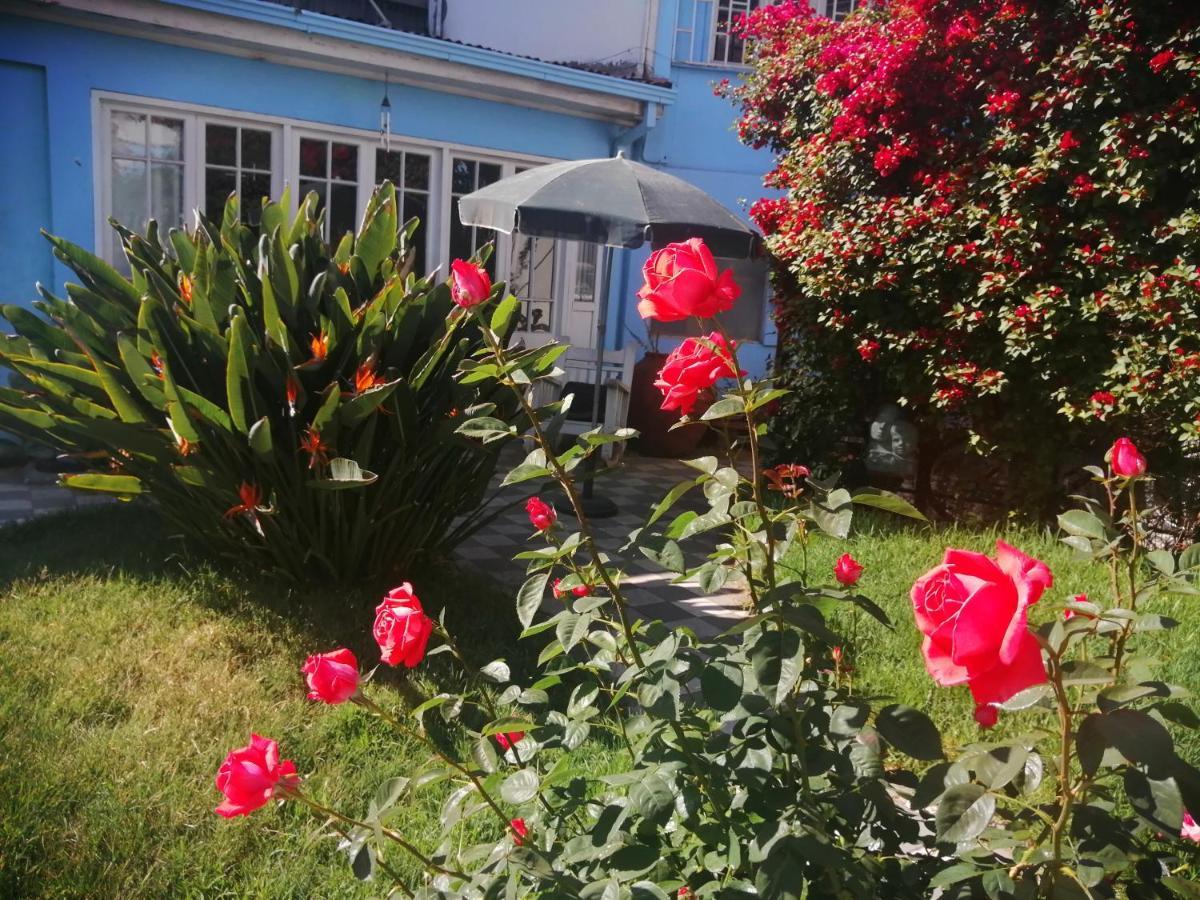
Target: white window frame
(712, 39)
(193, 164)
(285, 171)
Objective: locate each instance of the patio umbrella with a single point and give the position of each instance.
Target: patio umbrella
(615, 202)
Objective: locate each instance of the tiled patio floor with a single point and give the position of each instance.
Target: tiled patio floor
(635, 487)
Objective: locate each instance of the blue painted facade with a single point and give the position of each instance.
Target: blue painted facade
(53, 69)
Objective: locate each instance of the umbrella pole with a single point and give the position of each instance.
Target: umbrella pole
(599, 507)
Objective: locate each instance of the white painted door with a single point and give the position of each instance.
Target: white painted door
(580, 290)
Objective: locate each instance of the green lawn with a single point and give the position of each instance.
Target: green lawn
(129, 672)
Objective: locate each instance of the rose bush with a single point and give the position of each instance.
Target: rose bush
(984, 204)
(746, 765)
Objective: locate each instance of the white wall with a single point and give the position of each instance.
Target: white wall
(593, 31)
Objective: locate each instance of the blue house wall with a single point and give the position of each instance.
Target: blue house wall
(49, 72)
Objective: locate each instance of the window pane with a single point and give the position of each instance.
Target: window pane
(343, 199)
(128, 134)
(463, 181)
(418, 205)
(720, 50)
(416, 171)
(256, 149)
(218, 185)
(166, 185)
(129, 201)
(460, 236)
(166, 138)
(256, 186)
(220, 145)
(345, 162)
(312, 157)
(585, 274)
(389, 165)
(488, 172)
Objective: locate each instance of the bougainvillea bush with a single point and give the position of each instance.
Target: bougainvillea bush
(289, 405)
(987, 206)
(746, 765)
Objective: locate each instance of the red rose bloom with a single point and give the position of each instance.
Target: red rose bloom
(332, 677)
(694, 366)
(250, 775)
(402, 629)
(1125, 459)
(541, 514)
(682, 281)
(847, 570)
(972, 611)
(469, 284)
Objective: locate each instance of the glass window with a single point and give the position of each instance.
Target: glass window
(147, 171)
(728, 47)
(330, 169)
(745, 321)
(531, 278)
(409, 172)
(236, 159)
(469, 175)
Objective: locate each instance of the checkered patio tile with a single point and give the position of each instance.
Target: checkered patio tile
(635, 485)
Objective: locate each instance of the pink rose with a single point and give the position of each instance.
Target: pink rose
(250, 775)
(847, 570)
(332, 677)
(469, 284)
(402, 629)
(1125, 459)
(520, 831)
(693, 367)
(1190, 830)
(972, 611)
(541, 514)
(682, 281)
(509, 739)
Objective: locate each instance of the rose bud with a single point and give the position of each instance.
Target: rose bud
(509, 739)
(847, 570)
(469, 284)
(520, 831)
(986, 715)
(332, 677)
(1125, 459)
(541, 514)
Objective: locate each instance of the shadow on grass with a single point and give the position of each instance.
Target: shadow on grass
(131, 541)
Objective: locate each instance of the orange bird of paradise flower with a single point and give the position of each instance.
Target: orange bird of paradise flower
(314, 445)
(185, 289)
(250, 495)
(319, 346)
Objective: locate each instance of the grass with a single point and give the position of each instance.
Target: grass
(129, 672)
(887, 662)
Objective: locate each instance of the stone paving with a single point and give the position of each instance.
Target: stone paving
(25, 493)
(635, 486)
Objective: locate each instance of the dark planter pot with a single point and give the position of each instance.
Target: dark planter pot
(655, 437)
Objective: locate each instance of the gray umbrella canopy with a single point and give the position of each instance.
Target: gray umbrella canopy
(614, 201)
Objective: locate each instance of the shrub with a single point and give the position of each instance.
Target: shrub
(986, 206)
(287, 405)
(746, 765)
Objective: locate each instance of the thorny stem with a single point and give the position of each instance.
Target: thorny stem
(1066, 795)
(391, 835)
(368, 704)
(1122, 637)
(755, 463)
